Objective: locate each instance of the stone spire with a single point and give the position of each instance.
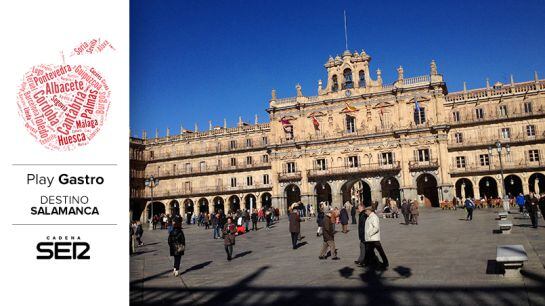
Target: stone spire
(379, 76)
(400, 73)
(144, 134)
(255, 119)
(209, 125)
(196, 127)
(512, 81)
(298, 89)
(536, 78)
(168, 132)
(224, 123)
(181, 129)
(320, 86)
(433, 68)
(273, 94)
(239, 120)
(465, 86)
(487, 84)
(156, 133)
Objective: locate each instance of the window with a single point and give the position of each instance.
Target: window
(264, 140)
(460, 161)
(533, 155)
(503, 110)
(353, 161)
(527, 107)
(479, 113)
(248, 160)
(423, 155)
(456, 116)
(350, 124)
(506, 133)
(334, 83)
(362, 78)
(187, 187)
(202, 166)
(530, 130)
(174, 168)
(484, 159)
(265, 158)
(419, 116)
(321, 164)
(290, 167)
(248, 143)
(386, 158)
(233, 182)
(151, 155)
(348, 82)
(249, 181)
(219, 164)
(233, 162)
(188, 167)
(233, 144)
(458, 137)
(266, 179)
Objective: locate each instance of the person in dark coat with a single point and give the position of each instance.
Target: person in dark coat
(295, 225)
(361, 234)
(320, 220)
(353, 214)
(532, 208)
(229, 233)
(329, 234)
(254, 220)
(541, 204)
(344, 219)
(406, 210)
(176, 243)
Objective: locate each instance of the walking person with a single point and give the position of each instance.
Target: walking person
(176, 243)
(414, 212)
(532, 209)
(294, 225)
(139, 232)
(320, 219)
(254, 218)
(470, 206)
(394, 208)
(541, 205)
(344, 218)
(406, 210)
(329, 234)
(229, 232)
(353, 214)
(372, 238)
(520, 202)
(362, 217)
(215, 228)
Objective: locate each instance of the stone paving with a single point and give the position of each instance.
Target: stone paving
(444, 260)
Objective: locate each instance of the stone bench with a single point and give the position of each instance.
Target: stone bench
(511, 258)
(503, 215)
(505, 226)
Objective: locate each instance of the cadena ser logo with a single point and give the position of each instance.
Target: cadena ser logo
(63, 248)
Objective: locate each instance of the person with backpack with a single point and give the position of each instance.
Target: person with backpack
(176, 243)
(470, 206)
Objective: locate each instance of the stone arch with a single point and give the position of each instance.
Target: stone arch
(488, 187)
(426, 186)
(266, 200)
(537, 180)
(174, 208)
(390, 188)
(233, 203)
(323, 192)
(250, 201)
(203, 205)
(189, 209)
(292, 194)
(356, 192)
(513, 185)
(464, 188)
(157, 207)
(219, 204)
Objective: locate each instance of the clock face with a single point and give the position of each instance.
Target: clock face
(348, 93)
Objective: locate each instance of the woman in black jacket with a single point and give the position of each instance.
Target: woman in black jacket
(176, 242)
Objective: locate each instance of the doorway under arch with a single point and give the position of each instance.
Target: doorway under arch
(488, 187)
(218, 204)
(189, 210)
(174, 208)
(536, 181)
(513, 185)
(293, 194)
(390, 188)
(158, 209)
(464, 188)
(234, 203)
(323, 192)
(203, 205)
(357, 191)
(250, 202)
(266, 200)
(426, 185)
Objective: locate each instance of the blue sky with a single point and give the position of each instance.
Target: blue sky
(194, 61)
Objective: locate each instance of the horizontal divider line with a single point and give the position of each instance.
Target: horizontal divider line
(94, 224)
(64, 164)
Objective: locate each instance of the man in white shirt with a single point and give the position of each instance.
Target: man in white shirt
(372, 238)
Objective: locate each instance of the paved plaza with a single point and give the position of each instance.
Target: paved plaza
(444, 260)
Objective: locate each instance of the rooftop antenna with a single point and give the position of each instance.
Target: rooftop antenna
(345, 32)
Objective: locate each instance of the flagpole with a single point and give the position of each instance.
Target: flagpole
(345, 32)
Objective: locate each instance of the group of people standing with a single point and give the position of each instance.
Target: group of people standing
(530, 205)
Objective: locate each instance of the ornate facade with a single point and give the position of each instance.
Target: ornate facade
(357, 140)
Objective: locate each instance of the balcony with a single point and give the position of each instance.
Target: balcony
(289, 176)
(475, 142)
(494, 167)
(470, 119)
(194, 153)
(360, 169)
(205, 191)
(418, 165)
(165, 174)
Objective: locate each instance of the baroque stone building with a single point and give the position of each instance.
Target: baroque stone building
(357, 140)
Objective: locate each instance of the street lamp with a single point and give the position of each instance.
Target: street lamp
(508, 151)
(151, 182)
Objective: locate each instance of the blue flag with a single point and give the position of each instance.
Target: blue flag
(416, 105)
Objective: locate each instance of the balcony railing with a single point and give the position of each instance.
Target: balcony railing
(486, 141)
(433, 163)
(202, 152)
(208, 170)
(494, 166)
(289, 176)
(360, 169)
(505, 90)
(471, 118)
(207, 190)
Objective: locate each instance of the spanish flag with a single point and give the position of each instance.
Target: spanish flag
(316, 123)
(350, 108)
